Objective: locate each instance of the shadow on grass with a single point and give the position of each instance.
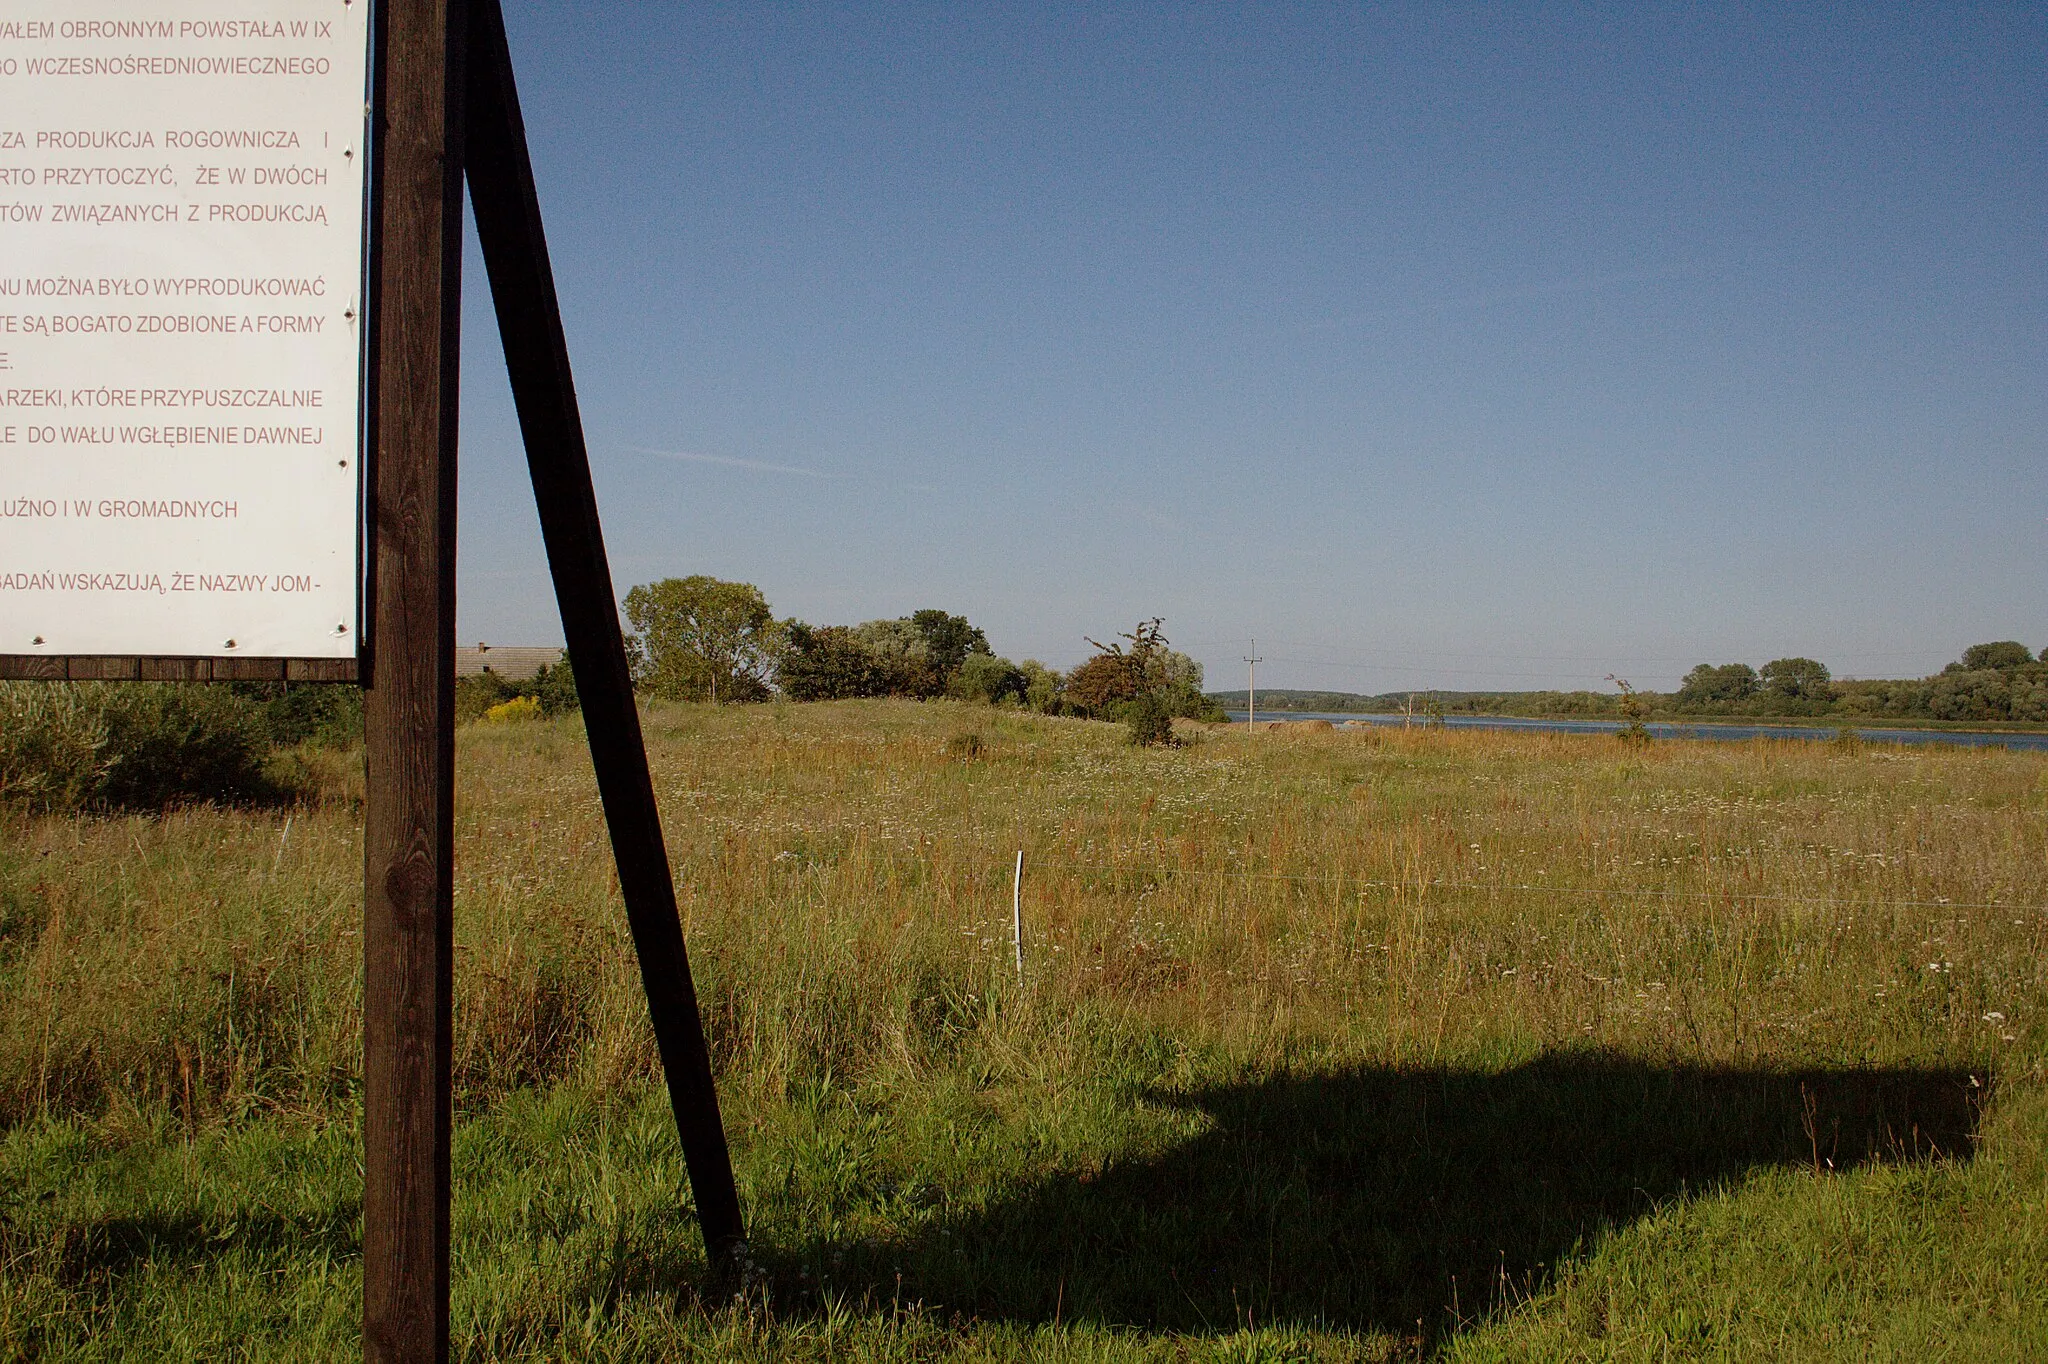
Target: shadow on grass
(83, 1254)
(1404, 1201)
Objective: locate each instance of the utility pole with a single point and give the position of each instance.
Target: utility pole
(1251, 690)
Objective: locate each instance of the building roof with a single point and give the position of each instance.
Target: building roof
(513, 662)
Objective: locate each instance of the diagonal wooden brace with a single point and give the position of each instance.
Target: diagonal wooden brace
(515, 251)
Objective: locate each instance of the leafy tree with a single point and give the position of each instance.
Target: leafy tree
(984, 677)
(920, 655)
(1982, 694)
(1101, 683)
(905, 659)
(1796, 679)
(2030, 698)
(1181, 688)
(1143, 664)
(703, 639)
(827, 663)
(948, 640)
(2003, 654)
(1709, 685)
(1177, 672)
(1136, 678)
(1042, 686)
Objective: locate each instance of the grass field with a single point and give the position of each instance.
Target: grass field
(1329, 1045)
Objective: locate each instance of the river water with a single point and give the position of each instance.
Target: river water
(1665, 729)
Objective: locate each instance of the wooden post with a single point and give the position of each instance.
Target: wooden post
(543, 389)
(409, 706)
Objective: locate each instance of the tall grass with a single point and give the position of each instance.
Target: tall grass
(1634, 974)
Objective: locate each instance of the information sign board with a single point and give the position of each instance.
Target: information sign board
(181, 294)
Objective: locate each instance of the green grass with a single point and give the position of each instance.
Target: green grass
(1333, 1046)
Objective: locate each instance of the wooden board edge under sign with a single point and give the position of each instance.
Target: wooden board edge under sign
(129, 668)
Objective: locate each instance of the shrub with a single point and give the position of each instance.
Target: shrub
(477, 693)
(984, 677)
(827, 663)
(53, 746)
(1150, 724)
(552, 690)
(142, 746)
(1634, 710)
(172, 743)
(555, 689)
(328, 715)
(511, 712)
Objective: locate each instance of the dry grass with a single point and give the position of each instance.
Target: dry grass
(1245, 908)
(845, 879)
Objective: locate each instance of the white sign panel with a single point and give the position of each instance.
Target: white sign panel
(181, 285)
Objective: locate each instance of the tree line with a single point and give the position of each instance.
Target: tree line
(2002, 681)
(702, 638)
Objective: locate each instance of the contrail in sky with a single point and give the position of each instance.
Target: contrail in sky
(757, 465)
(764, 467)
(1586, 284)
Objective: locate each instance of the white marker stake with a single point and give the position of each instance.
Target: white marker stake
(1017, 915)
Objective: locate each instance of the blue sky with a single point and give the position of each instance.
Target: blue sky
(1475, 346)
